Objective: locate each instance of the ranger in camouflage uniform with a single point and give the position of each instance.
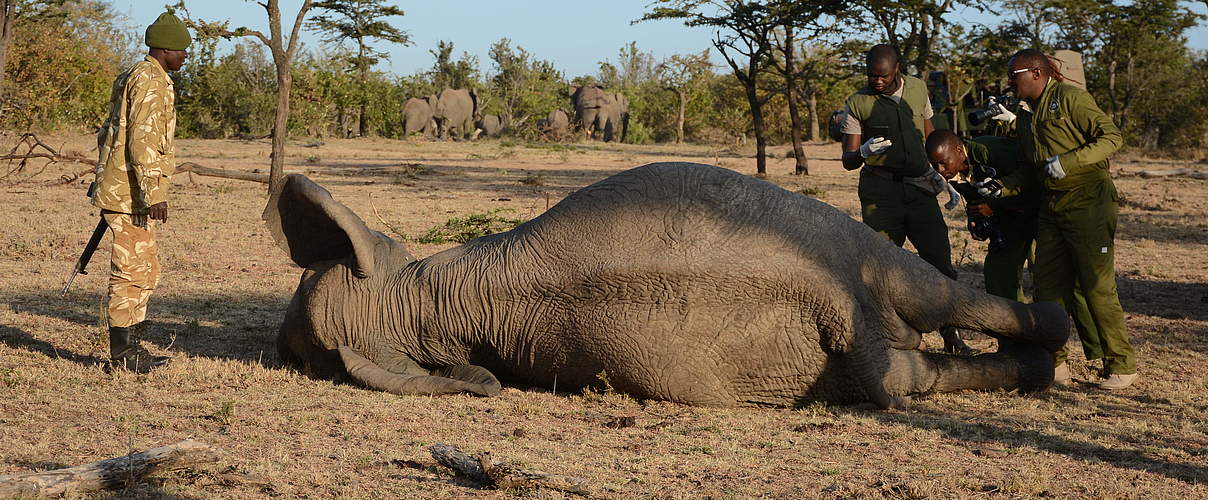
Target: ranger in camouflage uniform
(136, 160)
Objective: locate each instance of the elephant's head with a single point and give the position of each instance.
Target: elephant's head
(350, 298)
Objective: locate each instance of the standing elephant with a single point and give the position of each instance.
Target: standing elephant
(597, 110)
(454, 113)
(555, 126)
(678, 281)
(418, 116)
(490, 126)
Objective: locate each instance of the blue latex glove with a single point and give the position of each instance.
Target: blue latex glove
(1052, 166)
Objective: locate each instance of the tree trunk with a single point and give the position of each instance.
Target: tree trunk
(790, 93)
(280, 126)
(761, 158)
(679, 121)
(8, 13)
(362, 128)
(811, 102)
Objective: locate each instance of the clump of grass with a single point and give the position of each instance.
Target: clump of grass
(463, 229)
(222, 188)
(551, 146)
(312, 159)
(225, 414)
(507, 144)
(812, 191)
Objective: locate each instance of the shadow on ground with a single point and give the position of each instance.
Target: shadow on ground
(986, 431)
(1165, 299)
(237, 327)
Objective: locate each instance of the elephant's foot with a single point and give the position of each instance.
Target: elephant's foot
(1026, 367)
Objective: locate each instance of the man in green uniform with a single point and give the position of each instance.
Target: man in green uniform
(1013, 216)
(136, 160)
(883, 132)
(1068, 140)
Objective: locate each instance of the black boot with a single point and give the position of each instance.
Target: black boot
(125, 352)
(954, 344)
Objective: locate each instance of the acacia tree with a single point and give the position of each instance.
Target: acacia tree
(743, 31)
(682, 75)
(359, 20)
(283, 50)
(449, 74)
(913, 26)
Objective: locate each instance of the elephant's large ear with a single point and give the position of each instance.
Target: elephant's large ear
(311, 226)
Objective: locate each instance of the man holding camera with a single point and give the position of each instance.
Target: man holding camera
(1068, 141)
(1009, 222)
(886, 123)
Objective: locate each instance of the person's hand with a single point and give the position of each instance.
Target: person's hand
(874, 146)
(988, 188)
(979, 208)
(1052, 166)
(158, 211)
(1001, 113)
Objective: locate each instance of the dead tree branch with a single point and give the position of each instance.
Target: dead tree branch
(111, 473)
(30, 147)
(502, 476)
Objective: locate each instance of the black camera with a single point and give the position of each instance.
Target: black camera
(982, 227)
(980, 116)
(986, 228)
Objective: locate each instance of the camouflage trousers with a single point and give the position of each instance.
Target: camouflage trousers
(134, 267)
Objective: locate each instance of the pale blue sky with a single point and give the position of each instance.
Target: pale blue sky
(573, 34)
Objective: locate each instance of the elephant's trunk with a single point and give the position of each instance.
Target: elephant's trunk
(373, 376)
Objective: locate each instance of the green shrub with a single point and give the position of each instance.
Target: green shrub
(463, 229)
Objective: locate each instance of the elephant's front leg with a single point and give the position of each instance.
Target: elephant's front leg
(1026, 367)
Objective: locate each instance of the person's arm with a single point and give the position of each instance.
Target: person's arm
(147, 118)
(852, 159)
(1103, 138)
(927, 128)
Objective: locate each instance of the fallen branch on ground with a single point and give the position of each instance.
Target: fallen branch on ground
(36, 149)
(501, 476)
(218, 172)
(111, 473)
(1186, 172)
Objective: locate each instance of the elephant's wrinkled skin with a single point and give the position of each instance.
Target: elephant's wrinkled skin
(418, 117)
(454, 113)
(597, 110)
(489, 125)
(555, 126)
(680, 281)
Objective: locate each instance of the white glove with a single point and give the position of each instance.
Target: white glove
(988, 188)
(875, 146)
(954, 198)
(1002, 114)
(1052, 166)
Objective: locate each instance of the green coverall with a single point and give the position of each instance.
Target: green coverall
(896, 209)
(1016, 216)
(1077, 218)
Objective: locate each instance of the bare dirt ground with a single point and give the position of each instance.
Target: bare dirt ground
(226, 285)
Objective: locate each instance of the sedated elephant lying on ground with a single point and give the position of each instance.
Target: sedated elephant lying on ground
(679, 281)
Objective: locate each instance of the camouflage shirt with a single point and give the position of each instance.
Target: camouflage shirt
(135, 142)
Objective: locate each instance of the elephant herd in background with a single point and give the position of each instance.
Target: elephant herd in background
(455, 113)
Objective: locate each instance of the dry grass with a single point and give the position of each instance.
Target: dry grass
(226, 284)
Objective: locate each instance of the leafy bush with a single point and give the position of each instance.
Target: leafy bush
(463, 229)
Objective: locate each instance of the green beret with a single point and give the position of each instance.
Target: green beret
(168, 33)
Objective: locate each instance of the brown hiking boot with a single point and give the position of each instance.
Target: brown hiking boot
(1061, 374)
(1116, 382)
(125, 352)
